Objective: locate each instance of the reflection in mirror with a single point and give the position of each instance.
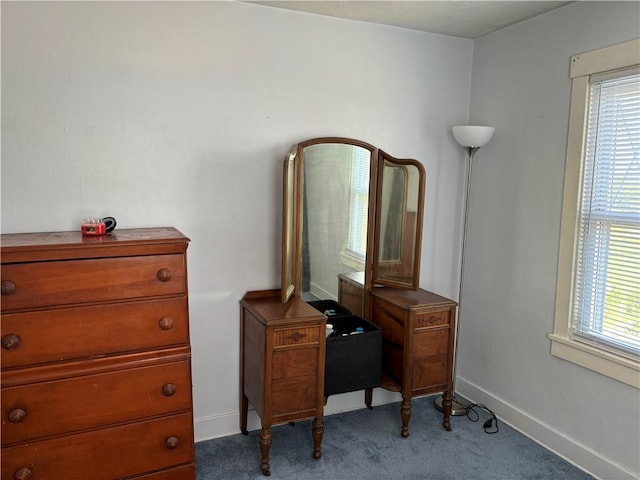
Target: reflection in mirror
(394, 184)
(335, 201)
(399, 228)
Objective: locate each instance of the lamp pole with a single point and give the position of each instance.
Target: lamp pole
(472, 151)
(471, 138)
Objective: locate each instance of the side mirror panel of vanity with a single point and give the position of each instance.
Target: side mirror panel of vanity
(289, 227)
(398, 226)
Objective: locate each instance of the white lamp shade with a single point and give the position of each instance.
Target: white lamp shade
(473, 135)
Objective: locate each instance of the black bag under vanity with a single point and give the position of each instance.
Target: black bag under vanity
(354, 350)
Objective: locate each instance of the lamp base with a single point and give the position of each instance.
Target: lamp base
(458, 408)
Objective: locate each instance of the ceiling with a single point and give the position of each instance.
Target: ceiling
(467, 19)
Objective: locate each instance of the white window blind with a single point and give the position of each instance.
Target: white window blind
(606, 309)
(359, 202)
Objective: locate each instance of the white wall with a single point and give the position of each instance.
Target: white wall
(521, 85)
(180, 113)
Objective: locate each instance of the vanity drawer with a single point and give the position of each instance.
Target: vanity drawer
(430, 358)
(296, 336)
(79, 332)
(105, 454)
(73, 404)
(294, 362)
(432, 319)
(46, 284)
(294, 397)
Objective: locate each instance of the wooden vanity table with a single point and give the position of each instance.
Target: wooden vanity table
(352, 232)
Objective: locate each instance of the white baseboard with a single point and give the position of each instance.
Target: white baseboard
(320, 292)
(207, 428)
(223, 425)
(568, 448)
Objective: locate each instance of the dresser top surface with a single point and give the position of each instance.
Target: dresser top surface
(26, 241)
(29, 247)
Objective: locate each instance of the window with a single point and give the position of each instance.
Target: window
(358, 203)
(597, 320)
(607, 272)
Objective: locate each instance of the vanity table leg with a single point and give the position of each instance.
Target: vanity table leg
(447, 405)
(265, 448)
(368, 397)
(244, 408)
(317, 431)
(405, 415)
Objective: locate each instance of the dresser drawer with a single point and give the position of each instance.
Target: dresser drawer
(79, 332)
(185, 472)
(105, 454)
(72, 404)
(45, 284)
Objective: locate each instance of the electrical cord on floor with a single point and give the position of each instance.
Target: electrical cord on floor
(490, 426)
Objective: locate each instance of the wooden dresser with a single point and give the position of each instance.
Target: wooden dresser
(96, 360)
(282, 355)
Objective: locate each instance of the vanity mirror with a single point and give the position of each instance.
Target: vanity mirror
(351, 236)
(351, 206)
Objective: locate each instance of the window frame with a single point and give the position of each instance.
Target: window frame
(618, 367)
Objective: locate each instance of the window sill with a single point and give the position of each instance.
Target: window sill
(619, 368)
(352, 262)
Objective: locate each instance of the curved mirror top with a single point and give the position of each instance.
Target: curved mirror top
(335, 202)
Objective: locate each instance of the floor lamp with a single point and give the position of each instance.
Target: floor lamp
(471, 137)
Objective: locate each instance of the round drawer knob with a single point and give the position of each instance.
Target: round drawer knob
(10, 341)
(23, 473)
(169, 390)
(166, 323)
(164, 275)
(17, 415)
(172, 443)
(7, 287)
